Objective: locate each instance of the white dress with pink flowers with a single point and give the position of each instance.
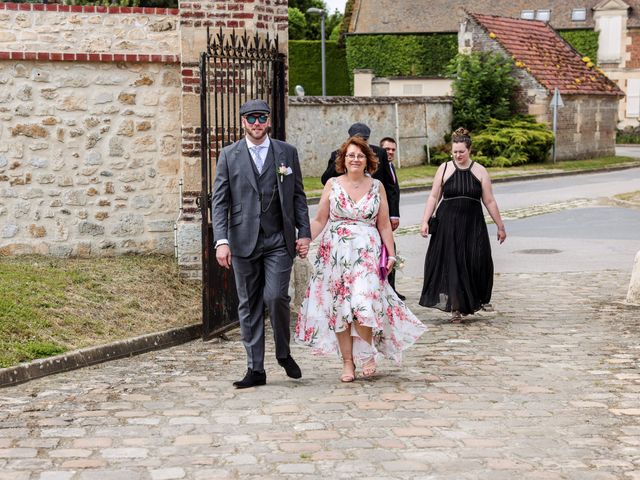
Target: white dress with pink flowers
(345, 285)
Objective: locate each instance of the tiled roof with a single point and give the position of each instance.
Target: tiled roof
(411, 16)
(536, 47)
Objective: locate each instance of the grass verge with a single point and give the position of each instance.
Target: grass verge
(49, 306)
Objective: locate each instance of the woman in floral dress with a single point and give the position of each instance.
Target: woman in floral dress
(348, 309)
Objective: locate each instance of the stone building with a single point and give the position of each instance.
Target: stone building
(586, 125)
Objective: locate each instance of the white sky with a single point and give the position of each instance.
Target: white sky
(333, 4)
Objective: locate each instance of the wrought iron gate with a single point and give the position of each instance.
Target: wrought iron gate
(234, 69)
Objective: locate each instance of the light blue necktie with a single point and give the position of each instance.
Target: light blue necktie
(257, 158)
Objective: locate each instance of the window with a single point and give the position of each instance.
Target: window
(609, 40)
(579, 14)
(633, 98)
(527, 14)
(543, 15)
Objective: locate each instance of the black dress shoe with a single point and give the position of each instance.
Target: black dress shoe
(251, 379)
(290, 366)
(401, 297)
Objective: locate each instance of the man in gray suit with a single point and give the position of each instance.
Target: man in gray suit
(258, 203)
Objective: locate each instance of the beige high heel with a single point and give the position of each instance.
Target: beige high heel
(369, 368)
(347, 377)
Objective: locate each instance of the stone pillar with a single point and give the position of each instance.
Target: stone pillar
(362, 79)
(633, 295)
(262, 16)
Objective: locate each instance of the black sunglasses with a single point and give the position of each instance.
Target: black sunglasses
(260, 118)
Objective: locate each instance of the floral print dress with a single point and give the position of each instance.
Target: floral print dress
(345, 286)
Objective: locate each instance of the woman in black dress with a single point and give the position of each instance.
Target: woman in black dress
(458, 270)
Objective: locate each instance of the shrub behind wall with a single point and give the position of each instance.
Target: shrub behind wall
(402, 55)
(584, 41)
(305, 68)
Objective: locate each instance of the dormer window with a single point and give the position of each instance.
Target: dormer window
(579, 14)
(527, 14)
(543, 15)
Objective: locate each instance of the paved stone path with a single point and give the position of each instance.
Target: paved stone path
(545, 387)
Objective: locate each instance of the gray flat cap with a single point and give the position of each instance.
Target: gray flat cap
(359, 129)
(254, 106)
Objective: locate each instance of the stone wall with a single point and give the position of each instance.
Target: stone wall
(330, 118)
(61, 29)
(586, 127)
(89, 141)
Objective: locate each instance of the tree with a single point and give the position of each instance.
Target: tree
(483, 88)
(304, 5)
(312, 28)
(297, 24)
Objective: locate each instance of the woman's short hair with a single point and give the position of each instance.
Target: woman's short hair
(372, 158)
(461, 135)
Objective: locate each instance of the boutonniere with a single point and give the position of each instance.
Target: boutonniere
(283, 171)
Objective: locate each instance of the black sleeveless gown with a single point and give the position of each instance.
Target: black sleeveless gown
(458, 268)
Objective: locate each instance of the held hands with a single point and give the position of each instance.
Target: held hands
(391, 261)
(223, 256)
(302, 247)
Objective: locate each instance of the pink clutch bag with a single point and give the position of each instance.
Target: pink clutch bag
(384, 258)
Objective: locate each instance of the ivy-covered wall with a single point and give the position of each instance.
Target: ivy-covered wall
(305, 68)
(584, 41)
(402, 55)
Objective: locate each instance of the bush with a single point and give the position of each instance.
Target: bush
(504, 143)
(628, 135)
(585, 42)
(483, 88)
(305, 68)
(507, 143)
(439, 154)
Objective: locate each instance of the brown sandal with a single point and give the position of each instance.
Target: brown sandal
(347, 377)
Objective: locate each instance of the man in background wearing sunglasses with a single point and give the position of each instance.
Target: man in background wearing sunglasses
(258, 204)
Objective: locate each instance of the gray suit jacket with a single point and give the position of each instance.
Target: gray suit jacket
(236, 201)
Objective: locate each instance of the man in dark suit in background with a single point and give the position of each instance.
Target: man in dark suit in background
(260, 221)
(389, 145)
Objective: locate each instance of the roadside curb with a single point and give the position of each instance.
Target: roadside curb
(515, 178)
(94, 355)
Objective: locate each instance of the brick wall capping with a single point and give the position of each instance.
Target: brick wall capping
(91, 57)
(342, 100)
(55, 7)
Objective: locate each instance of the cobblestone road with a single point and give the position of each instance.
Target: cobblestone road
(545, 387)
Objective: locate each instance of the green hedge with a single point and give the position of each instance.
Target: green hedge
(402, 55)
(584, 41)
(305, 68)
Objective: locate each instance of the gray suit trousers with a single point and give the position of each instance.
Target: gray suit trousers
(263, 279)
